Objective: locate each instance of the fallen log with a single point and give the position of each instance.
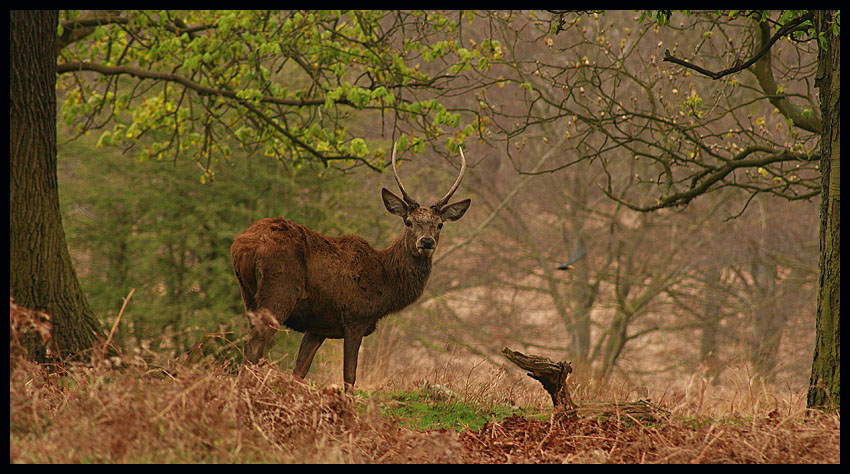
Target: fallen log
(553, 376)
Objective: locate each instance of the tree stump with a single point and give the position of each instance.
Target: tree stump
(553, 376)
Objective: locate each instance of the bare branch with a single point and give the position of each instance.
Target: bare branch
(790, 27)
(701, 183)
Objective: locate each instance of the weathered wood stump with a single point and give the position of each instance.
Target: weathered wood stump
(553, 376)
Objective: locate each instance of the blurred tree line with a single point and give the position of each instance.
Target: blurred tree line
(153, 227)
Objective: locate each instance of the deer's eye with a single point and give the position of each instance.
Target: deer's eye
(408, 223)
(440, 225)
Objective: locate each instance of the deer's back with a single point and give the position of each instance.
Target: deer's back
(326, 276)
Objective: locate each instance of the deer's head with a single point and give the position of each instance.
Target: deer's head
(422, 224)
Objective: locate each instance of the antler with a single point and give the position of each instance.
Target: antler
(442, 202)
(409, 200)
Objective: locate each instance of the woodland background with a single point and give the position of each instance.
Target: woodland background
(721, 287)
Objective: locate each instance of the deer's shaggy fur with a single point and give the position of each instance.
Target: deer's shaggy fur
(335, 287)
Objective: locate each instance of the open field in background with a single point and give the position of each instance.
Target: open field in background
(133, 409)
(738, 393)
(661, 369)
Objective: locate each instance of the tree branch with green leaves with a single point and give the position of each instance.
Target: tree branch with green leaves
(284, 83)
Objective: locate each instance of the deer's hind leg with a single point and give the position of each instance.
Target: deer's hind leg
(310, 343)
(275, 299)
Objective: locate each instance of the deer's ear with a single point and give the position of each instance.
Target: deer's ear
(455, 211)
(393, 203)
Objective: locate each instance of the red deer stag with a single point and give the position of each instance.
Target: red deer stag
(335, 287)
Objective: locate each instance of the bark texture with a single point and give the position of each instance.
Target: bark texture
(553, 376)
(41, 275)
(825, 382)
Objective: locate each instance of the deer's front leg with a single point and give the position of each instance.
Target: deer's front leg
(351, 349)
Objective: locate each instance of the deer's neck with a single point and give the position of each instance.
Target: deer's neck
(407, 274)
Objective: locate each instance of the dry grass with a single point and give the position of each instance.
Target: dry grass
(772, 440)
(131, 411)
(200, 414)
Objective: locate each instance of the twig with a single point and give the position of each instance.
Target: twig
(117, 320)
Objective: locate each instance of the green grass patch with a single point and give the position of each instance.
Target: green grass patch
(433, 407)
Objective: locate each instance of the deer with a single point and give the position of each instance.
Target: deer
(336, 287)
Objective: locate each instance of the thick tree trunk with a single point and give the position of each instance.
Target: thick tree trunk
(41, 276)
(825, 382)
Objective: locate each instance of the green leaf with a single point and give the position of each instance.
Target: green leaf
(358, 147)
(105, 138)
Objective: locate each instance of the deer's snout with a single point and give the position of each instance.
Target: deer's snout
(427, 243)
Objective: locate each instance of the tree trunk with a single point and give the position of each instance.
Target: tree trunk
(824, 385)
(615, 342)
(583, 292)
(41, 276)
(709, 349)
(767, 317)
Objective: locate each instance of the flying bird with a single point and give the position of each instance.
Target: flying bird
(579, 252)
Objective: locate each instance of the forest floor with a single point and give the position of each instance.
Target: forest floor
(209, 413)
(154, 409)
